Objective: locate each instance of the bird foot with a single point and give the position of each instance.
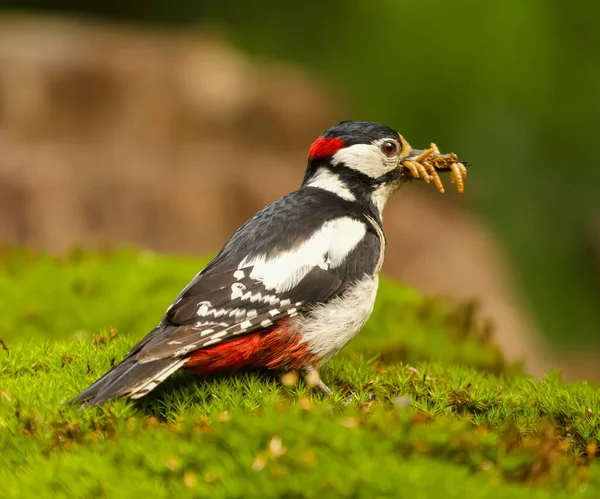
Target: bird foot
(313, 380)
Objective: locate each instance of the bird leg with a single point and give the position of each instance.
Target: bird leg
(313, 380)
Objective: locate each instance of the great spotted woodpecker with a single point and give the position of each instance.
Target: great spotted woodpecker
(293, 285)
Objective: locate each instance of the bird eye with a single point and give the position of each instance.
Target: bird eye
(390, 147)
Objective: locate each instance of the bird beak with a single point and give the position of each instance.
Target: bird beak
(413, 154)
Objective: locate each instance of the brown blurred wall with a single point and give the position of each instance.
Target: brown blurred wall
(113, 136)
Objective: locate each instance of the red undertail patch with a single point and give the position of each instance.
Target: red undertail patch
(323, 147)
(271, 349)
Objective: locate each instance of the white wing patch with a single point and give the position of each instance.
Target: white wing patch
(327, 248)
(237, 289)
(204, 308)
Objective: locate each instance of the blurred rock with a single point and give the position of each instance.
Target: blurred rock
(113, 135)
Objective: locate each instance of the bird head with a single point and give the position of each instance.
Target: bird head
(360, 161)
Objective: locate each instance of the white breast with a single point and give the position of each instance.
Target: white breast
(328, 327)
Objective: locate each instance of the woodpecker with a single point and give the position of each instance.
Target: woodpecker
(293, 285)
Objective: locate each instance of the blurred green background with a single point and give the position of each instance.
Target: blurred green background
(515, 83)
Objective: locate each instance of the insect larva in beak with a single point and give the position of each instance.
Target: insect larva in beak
(412, 168)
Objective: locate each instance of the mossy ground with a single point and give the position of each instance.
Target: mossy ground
(424, 404)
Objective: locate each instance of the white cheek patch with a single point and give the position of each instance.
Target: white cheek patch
(364, 158)
(327, 248)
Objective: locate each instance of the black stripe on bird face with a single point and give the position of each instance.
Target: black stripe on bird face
(390, 177)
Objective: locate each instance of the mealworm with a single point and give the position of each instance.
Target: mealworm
(456, 176)
(422, 170)
(412, 168)
(437, 181)
(427, 164)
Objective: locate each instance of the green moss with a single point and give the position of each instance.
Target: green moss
(424, 404)
(47, 297)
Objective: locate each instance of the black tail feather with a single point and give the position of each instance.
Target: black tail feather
(129, 378)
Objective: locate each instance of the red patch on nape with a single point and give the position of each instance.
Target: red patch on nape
(323, 147)
(271, 349)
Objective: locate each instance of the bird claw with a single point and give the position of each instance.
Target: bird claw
(427, 164)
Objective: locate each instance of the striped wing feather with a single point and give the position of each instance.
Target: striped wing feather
(253, 308)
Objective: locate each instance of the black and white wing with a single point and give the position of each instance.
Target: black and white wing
(281, 263)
